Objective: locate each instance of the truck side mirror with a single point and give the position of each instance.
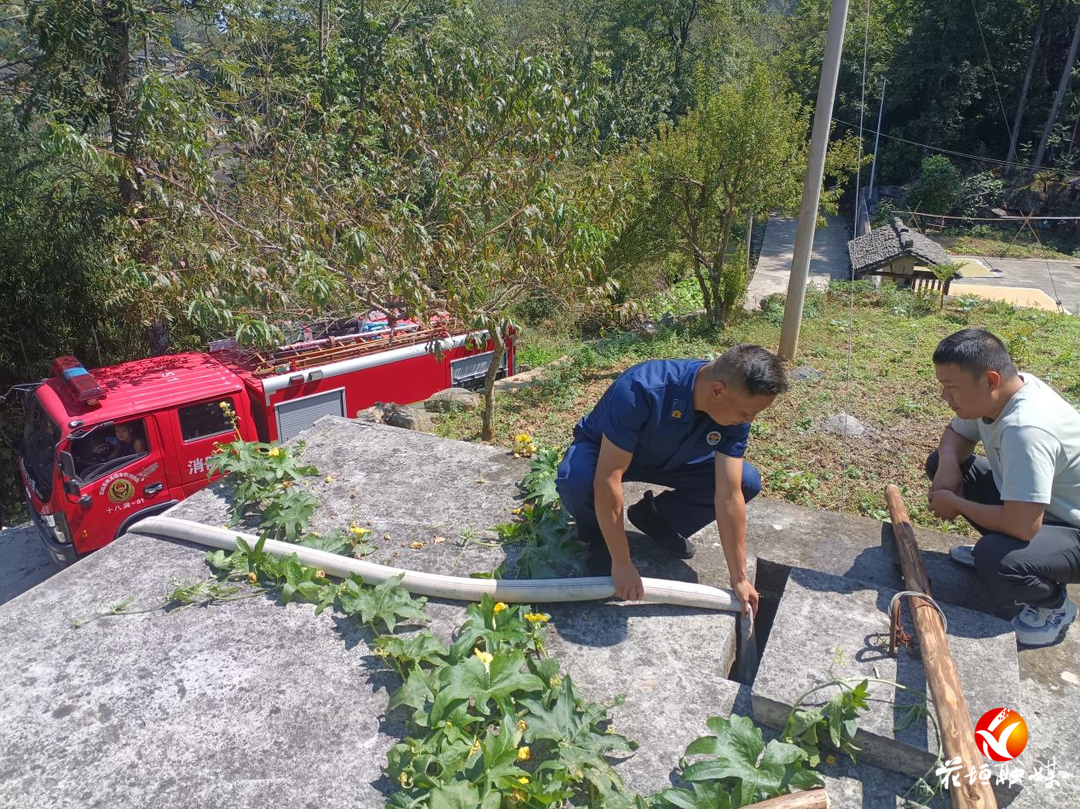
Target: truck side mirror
(67, 464)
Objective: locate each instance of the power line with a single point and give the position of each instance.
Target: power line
(955, 153)
(846, 446)
(990, 64)
(1028, 218)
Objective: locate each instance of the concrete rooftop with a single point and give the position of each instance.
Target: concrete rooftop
(225, 706)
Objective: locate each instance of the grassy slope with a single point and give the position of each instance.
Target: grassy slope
(1000, 247)
(891, 388)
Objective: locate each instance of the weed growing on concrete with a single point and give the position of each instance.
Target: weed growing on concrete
(542, 527)
(265, 482)
(836, 722)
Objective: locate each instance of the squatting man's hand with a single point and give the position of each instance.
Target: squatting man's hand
(746, 593)
(944, 504)
(627, 582)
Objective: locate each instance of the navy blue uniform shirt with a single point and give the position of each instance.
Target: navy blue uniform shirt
(649, 411)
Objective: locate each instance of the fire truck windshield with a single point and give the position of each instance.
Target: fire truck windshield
(40, 435)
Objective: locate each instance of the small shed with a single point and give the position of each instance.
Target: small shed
(896, 252)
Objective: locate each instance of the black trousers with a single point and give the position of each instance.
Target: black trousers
(1034, 572)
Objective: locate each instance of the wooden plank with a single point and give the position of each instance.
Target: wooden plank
(811, 799)
(954, 718)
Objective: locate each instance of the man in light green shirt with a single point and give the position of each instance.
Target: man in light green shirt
(1024, 495)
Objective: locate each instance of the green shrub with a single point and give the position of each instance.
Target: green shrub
(938, 189)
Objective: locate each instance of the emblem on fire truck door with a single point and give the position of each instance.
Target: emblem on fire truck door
(121, 490)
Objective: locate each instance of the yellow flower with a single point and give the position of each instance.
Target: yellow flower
(524, 779)
(830, 759)
(275, 452)
(523, 753)
(522, 437)
(537, 617)
(499, 607)
(223, 405)
(522, 725)
(358, 531)
(252, 578)
(483, 657)
(329, 478)
(405, 780)
(475, 747)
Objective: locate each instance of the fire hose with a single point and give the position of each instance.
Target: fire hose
(437, 585)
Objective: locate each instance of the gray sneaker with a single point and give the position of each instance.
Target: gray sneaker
(963, 555)
(1042, 626)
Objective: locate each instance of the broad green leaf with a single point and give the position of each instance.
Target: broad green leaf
(470, 679)
(387, 602)
(700, 796)
(458, 795)
(758, 770)
(422, 647)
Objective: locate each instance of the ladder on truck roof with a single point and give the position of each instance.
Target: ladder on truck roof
(314, 353)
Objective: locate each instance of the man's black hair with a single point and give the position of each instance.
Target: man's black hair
(975, 351)
(751, 368)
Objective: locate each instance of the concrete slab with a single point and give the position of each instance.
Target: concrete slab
(657, 657)
(836, 628)
(214, 707)
(783, 535)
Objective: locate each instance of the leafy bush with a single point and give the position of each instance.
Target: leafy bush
(883, 215)
(264, 480)
(980, 192)
(938, 189)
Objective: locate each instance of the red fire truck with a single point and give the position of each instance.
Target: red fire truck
(105, 448)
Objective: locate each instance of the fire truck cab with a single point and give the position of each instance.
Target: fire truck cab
(96, 460)
(103, 449)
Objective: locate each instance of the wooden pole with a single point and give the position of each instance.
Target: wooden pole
(811, 799)
(954, 719)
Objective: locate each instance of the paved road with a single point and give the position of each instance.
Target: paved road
(1058, 279)
(829, 258)
(23, 561)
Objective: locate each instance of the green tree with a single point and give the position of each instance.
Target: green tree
(944, 273)
(938, 189)
(502, 215)
(740, 152)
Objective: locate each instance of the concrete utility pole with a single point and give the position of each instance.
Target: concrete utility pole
(1063, 85)
(819, 141)
(877, 134)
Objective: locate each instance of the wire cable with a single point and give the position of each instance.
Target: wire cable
(954, 153)
(928, 599)
(990, 64)
(845, 455)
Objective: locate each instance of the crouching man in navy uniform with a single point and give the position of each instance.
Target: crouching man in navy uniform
(676, 423)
